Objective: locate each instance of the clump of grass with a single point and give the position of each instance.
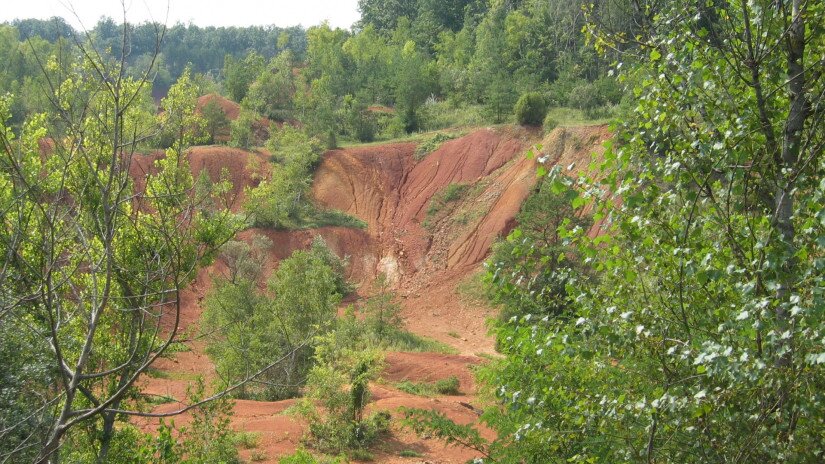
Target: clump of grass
(448, 386)
(448, 194)
(473, 289)
(408, 453)
(246, 440)
(314, 218)
(361, 455)
(156, 400)
(453, 334)
(430, 145)
(257, 456)
(401, 340)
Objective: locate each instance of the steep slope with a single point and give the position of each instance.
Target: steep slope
(426, 253)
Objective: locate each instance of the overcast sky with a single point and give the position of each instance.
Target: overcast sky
(339, 13)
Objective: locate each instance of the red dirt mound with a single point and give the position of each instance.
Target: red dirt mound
(230, 108)
(242, 168)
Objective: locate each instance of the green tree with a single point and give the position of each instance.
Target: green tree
(92, 265)
(702, 339)
(238, 75)
(216, 124)
(242, 130)
(271, 93)
(530, 109)
(265, 338)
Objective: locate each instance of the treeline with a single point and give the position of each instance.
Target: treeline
(433, 64)
(26, 44)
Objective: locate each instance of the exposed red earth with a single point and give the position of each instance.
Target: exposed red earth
(386, 187)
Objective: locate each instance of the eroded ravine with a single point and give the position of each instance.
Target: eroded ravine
(387, 188)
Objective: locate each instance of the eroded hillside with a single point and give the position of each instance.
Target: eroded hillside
(427, 252)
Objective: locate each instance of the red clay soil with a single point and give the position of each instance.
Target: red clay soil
(230, 108)
(387, 188)
(242, 168)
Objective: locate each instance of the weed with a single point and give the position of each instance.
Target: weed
(425, 148)
(448, 194)
(448, 386)
(247, 440)
(408, 453)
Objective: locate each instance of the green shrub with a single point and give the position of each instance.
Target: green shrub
(530, 109)
(302, 456)
(550, 123)
(448, 386)
(425, 148)
(449, 194)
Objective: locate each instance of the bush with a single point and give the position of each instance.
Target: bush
(550, 123)
(448, 386)
(339, 381)
(530, 109)
(242, 134)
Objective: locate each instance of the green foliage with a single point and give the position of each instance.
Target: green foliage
(435, 424)
(530, 109)
(216, 124)
(449, 194)
(304, 457)
(242, 130)
(700, 338)
(549, 123)
(269, 337)
(430, 145)
(89, 260)
(531, 270)
(448, 386)
(271, 93)
(207, 438)
(339, 381)
(382, 315)
(240, 74)
(360, 123)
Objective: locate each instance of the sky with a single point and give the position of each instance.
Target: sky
(339, 13)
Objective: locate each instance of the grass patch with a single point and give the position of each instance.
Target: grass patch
(573, 117)
(167, 375)
(257, 456)
(156, 373)
(246, 440)
(473, 289)
(156, 400)
(177, 347)
(401, 340)
(448, 194)
(408, 453)
(448, 386)
(361, 455)
(453, 334)
(430, 145)
(316, 218)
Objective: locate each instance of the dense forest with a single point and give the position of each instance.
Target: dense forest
(666, 304)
